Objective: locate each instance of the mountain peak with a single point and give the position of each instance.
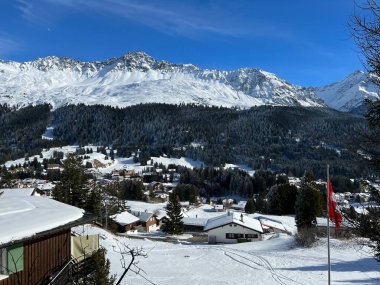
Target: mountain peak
(137, 77)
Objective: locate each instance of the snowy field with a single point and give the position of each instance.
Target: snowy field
(274, 261)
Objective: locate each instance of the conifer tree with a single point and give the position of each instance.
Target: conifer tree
(174, 223)
(250, 206)
(366, 31)
(309, 203)
(73, 188)
(99, 268)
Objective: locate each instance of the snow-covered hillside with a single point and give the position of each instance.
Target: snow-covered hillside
(138, 78)
(349, 93)
(274, 261)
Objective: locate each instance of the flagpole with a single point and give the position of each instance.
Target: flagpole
(328, 226)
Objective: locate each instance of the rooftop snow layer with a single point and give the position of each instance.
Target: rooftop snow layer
(125, 218)
(195, 221)
(272, 223)
(16, 192)
(26, 216)
(235, 218)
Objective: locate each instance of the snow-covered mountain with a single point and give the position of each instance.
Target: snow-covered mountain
(348, 94)
(139, 78)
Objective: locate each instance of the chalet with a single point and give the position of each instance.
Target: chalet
(128, 173)
(126, 221)
(194, 224)
(239, 206)
(54, 167)
(35, 240)
(147, 221)
(233, 227)
(45, 189)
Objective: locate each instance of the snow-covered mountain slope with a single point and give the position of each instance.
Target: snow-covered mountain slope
(348, 94)
(138, 78)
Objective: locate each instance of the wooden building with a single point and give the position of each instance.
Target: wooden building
(126, 222)
(35, 239)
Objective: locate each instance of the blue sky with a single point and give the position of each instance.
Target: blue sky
(306, 42)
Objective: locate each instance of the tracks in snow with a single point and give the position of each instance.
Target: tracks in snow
(256, 262)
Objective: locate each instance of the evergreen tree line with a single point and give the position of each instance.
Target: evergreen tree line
(286, 139)
(21, 131)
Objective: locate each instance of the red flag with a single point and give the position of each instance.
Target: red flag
(334, 214)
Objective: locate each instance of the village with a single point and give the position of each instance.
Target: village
(212, 221)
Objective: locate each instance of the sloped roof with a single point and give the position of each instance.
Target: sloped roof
(16, 192)
(124, 218)
(142, 216)
(194, 221)
(25, 216)
(235, 218)
(271, 223)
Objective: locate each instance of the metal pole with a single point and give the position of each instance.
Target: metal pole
(328, 226)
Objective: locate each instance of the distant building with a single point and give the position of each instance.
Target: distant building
(233, 228)
(147, 221)
(126, 221)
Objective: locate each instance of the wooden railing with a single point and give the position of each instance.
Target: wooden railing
(73, 269)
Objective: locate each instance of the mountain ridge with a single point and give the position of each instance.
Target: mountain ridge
(136, 78)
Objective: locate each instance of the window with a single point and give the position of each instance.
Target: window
(234, 236)
(251, 236)
(11, 259)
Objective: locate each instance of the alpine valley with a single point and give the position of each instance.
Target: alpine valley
(139, 78)
(134, 102)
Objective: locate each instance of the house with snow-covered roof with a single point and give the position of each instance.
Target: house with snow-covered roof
(147, 221)
(126, 221)
(36, 245)
(194, 224)
(233, 227)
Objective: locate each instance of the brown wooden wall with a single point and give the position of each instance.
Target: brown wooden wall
(42, 257)
(125, 228)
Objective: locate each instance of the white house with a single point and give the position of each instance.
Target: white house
(233, 227)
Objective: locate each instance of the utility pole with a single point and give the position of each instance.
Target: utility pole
(328, 225)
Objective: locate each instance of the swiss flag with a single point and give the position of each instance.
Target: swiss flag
(334, 215)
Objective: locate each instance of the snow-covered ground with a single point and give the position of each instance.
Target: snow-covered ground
(274, 261)
(108, 165)
(139, 206)
(183, 161)
(243, 167)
